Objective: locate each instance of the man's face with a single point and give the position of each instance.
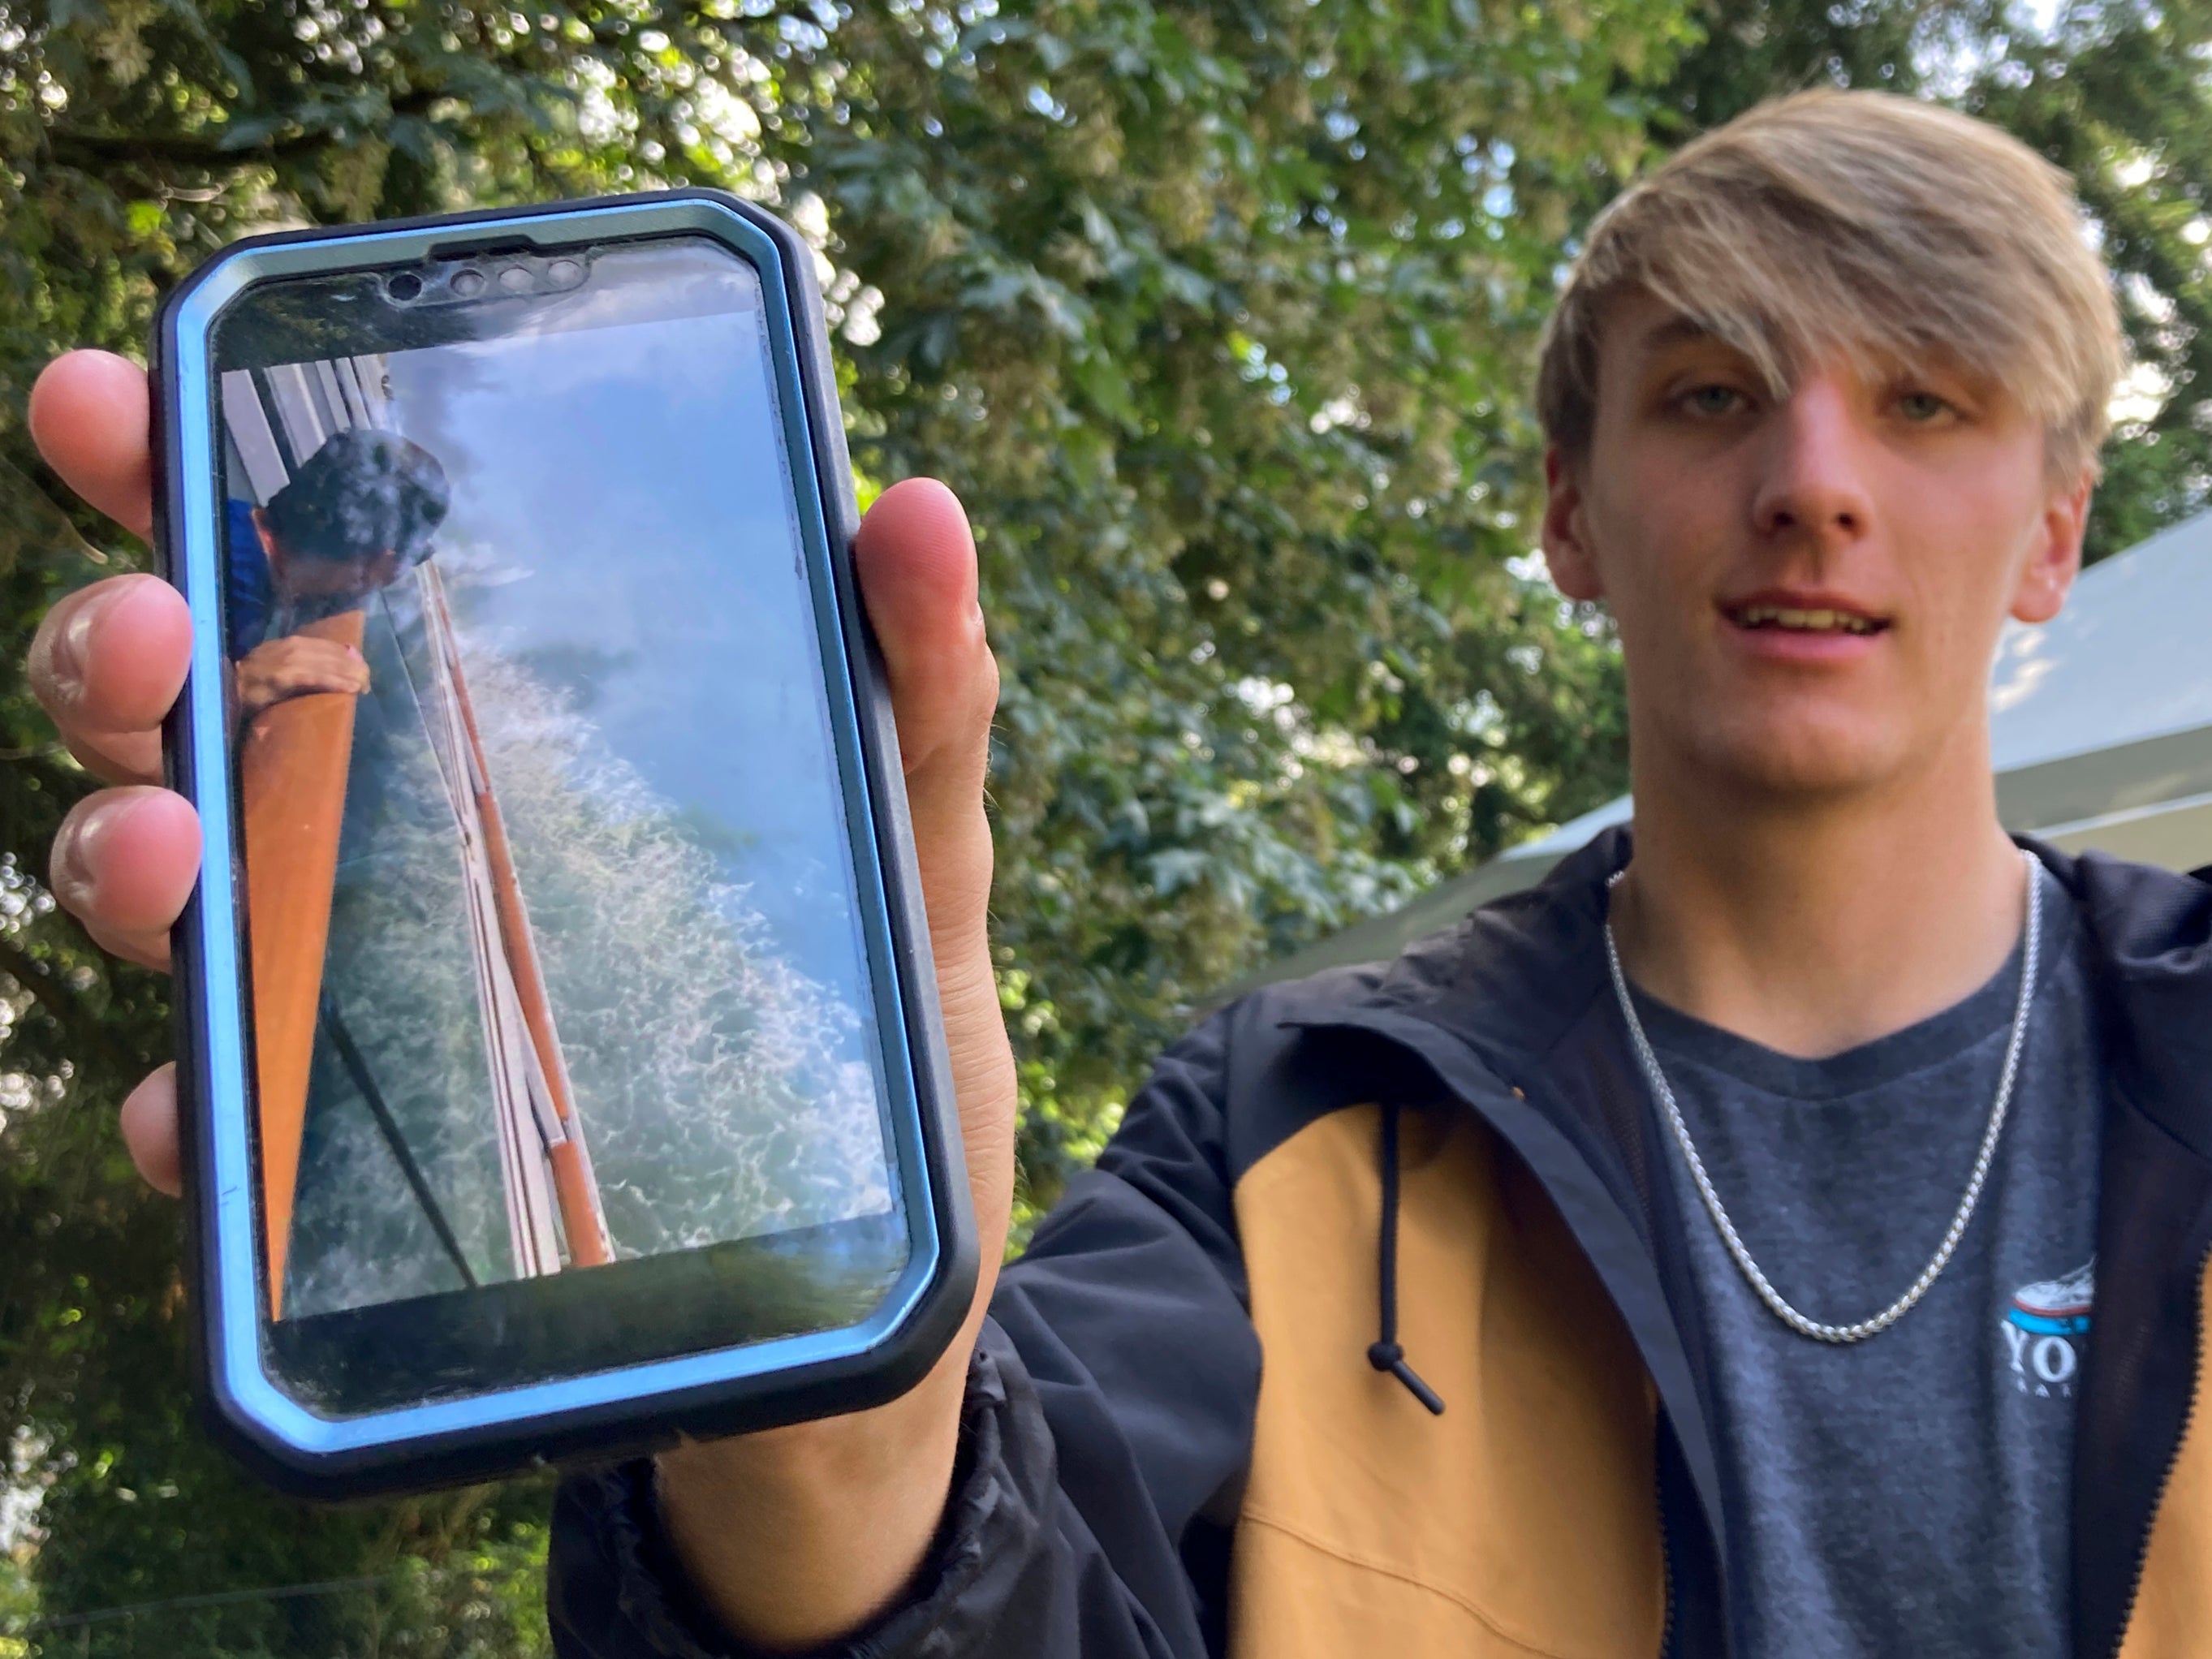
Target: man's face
(1808, 590)
(304, 579)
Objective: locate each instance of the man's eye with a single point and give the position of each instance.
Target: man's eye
(1920, 407)
(1713, 400)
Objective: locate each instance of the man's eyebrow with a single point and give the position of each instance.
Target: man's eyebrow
(1676, 330)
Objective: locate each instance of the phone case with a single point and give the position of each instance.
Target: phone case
(607, 1413)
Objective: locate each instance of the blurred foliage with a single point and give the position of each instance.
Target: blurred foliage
(2117, 96)
(1219, 320)
(1219, 316)
(481, 1600)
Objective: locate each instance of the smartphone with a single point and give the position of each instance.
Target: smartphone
(558, 1036)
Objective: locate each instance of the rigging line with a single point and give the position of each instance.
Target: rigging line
(583, 1213)
(438, 754)
(399, 650)
(525, 1169)
(357, 1068)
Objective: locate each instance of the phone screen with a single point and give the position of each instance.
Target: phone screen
(567, 1043)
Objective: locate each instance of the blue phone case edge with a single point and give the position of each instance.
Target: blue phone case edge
(624, 1424)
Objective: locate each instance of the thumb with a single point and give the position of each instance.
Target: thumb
(917, 569)
(916, 560)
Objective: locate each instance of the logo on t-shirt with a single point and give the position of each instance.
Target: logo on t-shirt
(2045, 1330)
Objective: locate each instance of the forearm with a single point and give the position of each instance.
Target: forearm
(1102, 1425)
(796, 1536)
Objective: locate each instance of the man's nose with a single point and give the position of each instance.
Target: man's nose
(1813, 483)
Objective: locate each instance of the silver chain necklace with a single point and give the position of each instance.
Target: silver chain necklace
(1897, 1310)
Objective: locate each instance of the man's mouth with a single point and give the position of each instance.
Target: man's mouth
(1793, 620)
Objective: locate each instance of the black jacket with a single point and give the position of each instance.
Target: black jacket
(1130, 1485)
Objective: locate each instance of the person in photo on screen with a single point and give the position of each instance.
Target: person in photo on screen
(360, 510)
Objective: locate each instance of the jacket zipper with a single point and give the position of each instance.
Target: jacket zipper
(2173, 1459)
(1666, 1565)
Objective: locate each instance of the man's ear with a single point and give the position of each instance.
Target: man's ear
(1566, 534)
(2055, 558)
(271, 548)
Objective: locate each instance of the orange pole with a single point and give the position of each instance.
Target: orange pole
(573, 1187)
(579, 1215)
(293, 760)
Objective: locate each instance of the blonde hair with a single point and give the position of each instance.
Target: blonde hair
(1863, 225)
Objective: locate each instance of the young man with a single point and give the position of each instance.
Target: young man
(1693, 1256)
(360, 510)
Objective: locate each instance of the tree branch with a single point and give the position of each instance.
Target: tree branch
(79, 1030)
(208, 150)
(176, 150)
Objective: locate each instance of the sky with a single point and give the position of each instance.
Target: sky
(622, 525)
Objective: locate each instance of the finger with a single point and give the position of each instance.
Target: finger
(107, 662)
(150, 1130)
(331, 668)
(302, 680)
(306, 648)
(88, 415)
(916, 558)
(123, 864)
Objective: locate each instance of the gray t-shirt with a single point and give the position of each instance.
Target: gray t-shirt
(1909, 1493)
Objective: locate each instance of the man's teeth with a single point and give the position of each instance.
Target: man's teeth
(1810, 621)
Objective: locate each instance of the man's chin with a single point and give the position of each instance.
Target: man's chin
(1797, 768)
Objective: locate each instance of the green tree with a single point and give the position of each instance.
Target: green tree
(2117, 95)
(1217, 314)
(1220, 315)
(1221, 320)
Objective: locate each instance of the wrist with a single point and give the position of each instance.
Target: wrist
(795, 1536)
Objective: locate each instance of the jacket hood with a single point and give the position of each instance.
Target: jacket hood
(2151, 934)
(1516, 977)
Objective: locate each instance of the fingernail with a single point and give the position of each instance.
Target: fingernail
(72, 865)
(65, 660)
(72, 647)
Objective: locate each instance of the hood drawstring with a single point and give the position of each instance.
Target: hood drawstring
(1385, 1355)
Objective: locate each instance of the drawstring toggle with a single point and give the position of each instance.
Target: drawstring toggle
(1384, 1354)
(1389, 1356)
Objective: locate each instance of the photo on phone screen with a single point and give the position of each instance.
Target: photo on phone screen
(556, 952)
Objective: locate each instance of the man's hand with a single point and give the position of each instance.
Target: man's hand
(297, 666)
(794, 1535)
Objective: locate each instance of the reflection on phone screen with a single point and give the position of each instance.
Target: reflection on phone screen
(555, 951)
